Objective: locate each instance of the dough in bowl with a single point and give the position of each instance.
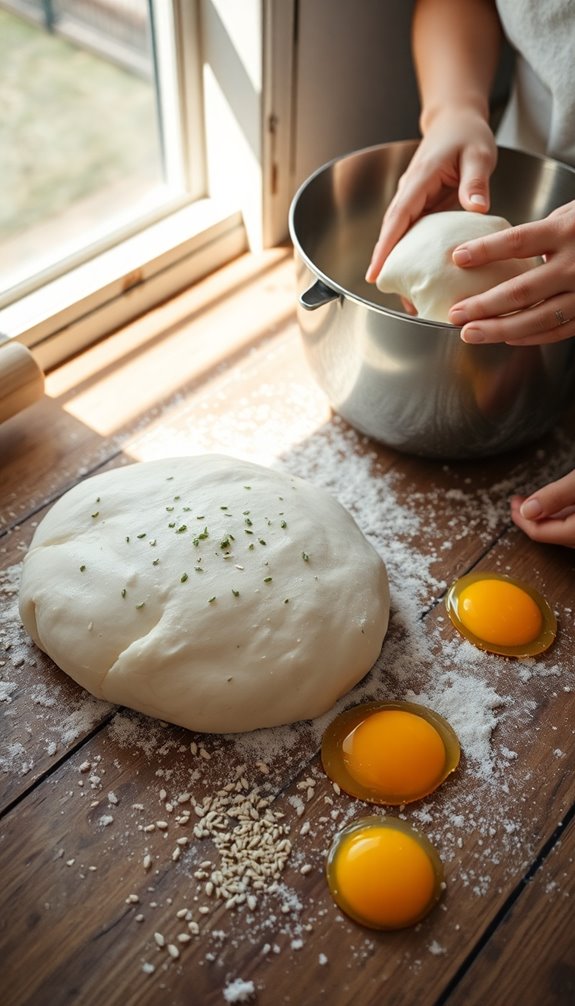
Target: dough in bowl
(207, 591)
(420, 268)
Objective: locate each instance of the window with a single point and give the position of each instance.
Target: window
(134, 151)
(81, 151)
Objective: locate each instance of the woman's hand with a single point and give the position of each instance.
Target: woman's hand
(534, 308)
(548, 515)
(454, 160)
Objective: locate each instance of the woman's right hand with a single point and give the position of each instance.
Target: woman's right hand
(454, 160)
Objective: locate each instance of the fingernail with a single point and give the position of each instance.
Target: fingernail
(369, 274)
(477, 199)
(530, 509)
(461, 256)
(457, 316)
(472, 335)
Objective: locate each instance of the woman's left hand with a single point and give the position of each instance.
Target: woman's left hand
(535, 307)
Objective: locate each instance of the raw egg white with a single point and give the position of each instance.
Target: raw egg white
(383, 873)
(502, 615)
(389, 752)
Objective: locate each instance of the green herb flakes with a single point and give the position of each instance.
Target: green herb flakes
(183, 577)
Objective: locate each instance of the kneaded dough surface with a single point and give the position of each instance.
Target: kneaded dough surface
(420, 267)
(206, 591)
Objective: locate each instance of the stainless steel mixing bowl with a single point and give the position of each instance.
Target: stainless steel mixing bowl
(408, 382)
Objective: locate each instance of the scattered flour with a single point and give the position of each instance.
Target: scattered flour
(7, 689)
(436, 948)
(239, 991)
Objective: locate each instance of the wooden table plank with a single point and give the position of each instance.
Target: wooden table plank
(534, 946)
(43, 452)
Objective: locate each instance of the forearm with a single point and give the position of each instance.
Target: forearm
(456, 46)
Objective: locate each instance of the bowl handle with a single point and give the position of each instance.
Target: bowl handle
(317, 295)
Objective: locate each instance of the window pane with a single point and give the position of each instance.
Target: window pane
(80, 140)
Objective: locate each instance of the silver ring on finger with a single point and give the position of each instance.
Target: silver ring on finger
(561, 319)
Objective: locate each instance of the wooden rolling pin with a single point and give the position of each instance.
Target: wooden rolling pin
(21, 379)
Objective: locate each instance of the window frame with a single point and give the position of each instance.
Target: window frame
(192, 236)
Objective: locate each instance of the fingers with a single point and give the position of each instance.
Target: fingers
(550, 321)
(394, 227)
(535, 307)
(529, 240)
(524, 241)
(419, 188)
(551, 499)
(547, 530)
(476, 166)
(522, 291)
(548, 515)
(403, 210)
(406, 206)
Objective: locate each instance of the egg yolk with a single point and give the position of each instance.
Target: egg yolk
(499, 612)
(396, 753)
(385, 877)
(389, 752)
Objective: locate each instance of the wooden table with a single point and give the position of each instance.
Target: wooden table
(101, 845)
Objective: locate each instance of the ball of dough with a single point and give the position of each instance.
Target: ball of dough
(420, 267)
(207, 591)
